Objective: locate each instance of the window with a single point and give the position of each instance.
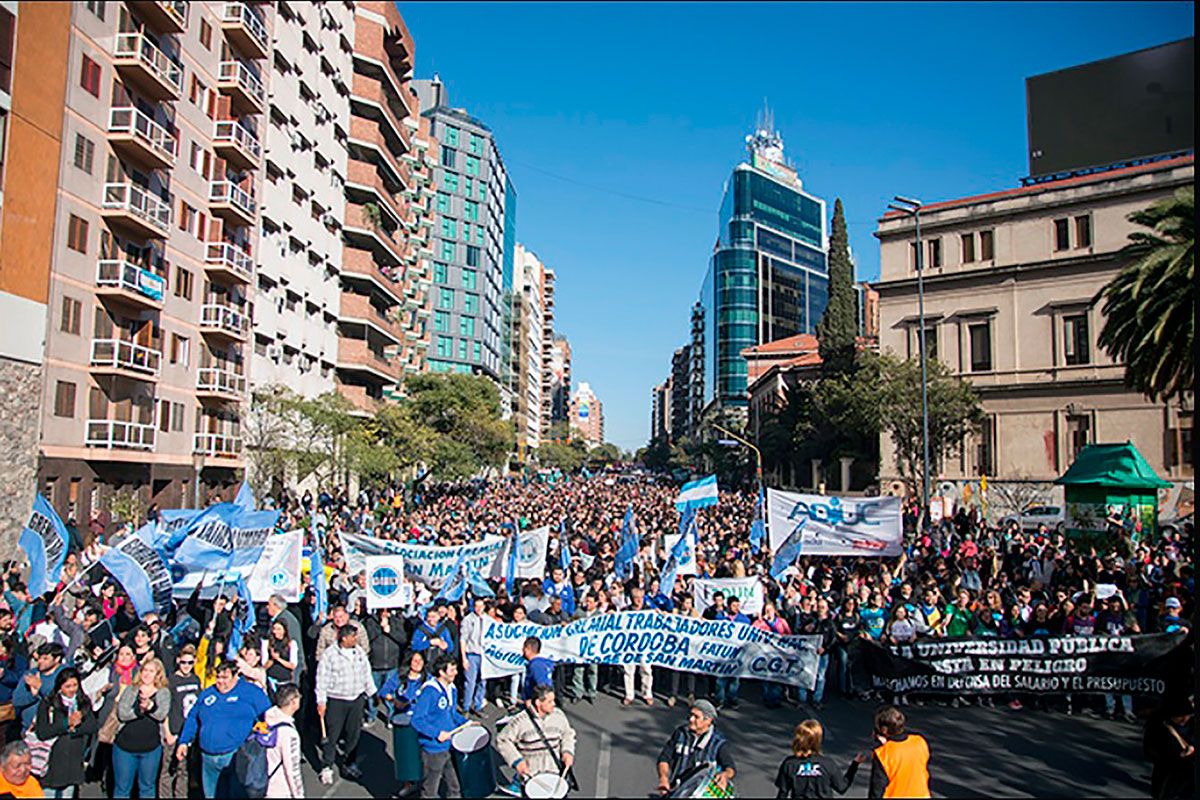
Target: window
(7, 34)
(482, 191)
(469, 187)
(449, 228)
(914, 342)
(472, 166)
(462, 349)
(466, 326)
(177, 417)
(445, 347)
(1179, 441)
(476, 351)
(183, 283)
(77, 234)
(187, 217)
(85, 153)
(447, 251)
(164, 416)
(476, 145)
(987, 249)
(64, 399)
(89, 76)
(180, 349)
(72, 310)
(1083, 231)
(466, 231)
(968, 248)
(97, 8)
(985, 447)
(469, 279)
(441, 322)
(206, 34)
(445, 298)
(471, 210)
(450, 181)
(913, 256)
(471, 303)
(1062, 235)
(935, 253)
(1079, 433)
(980, 335)
(452, 136)
(1076, 347)
(439, 273)
(472, 256)
(448, 157)
(478, 234)
(443, 203)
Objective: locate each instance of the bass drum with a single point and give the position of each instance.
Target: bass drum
(545, 786)
(700, 781)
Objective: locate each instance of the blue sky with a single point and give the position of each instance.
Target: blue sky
(621, 122)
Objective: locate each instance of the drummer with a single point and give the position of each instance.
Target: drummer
(435, 719)
(695, 744)
(538, 740)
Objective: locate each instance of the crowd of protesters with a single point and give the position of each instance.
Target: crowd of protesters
(164, 706)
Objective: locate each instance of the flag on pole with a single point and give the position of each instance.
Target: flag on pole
(758, 529)
(141, 571)
(623, 561)
(245, 497)
(681, 554)
(244, 623)
(564, 547)
(320, 587)
(454, 587)
(698, 494)
(44, 540)
(786, 553)
(510, 572)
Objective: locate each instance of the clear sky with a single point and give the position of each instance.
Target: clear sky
(620, 123)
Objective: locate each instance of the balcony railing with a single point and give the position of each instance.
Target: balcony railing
(234, 195)
(222, 381)
(160, 144)
(226, 319)
(136, 201)
(117, 434)
(227, 131)
(228, 257)
(238, 74)
(125, 355)
(120, 274)
(169, 16)
(240, 14)
(138, 47)
(218, 444)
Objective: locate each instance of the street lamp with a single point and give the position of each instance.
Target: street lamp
(757, 454)
(911, 207)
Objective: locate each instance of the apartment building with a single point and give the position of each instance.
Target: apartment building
(305, 154)
(560, 379)
(529, 358)
(660, 411)
(33, 70)
(547, 289)
(154, 245)
(1009, 279)
(587, 416)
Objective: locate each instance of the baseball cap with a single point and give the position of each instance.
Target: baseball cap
(1173, 602)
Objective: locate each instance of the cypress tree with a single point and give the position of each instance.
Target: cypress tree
(838, 327)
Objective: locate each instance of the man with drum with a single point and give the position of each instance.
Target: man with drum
(539, 744)
(696, 753)
(435, 719)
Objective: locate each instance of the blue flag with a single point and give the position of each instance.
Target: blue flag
(682, 553)
(623, 561)
(456, 585)
(510, 572)
(564, 547)
(757, 528)
(787, 553)
(245, 497)
(245, 619)
(141, 571)
(45, 541)
(320, 587)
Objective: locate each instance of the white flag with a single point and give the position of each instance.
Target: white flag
(278, 568)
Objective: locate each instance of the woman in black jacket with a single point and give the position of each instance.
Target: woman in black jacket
(807, 773)
(67, 717)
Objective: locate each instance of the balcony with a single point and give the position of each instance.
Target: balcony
(355, 355)
(232, 203)
(140, 139)
(129, 283)
(245, 29)
(121, 358)
(217, 445)
(236, 145)
(227, 259)
(218, 319)
(214, 383)
(243, 87)
(135, 208)
(358, 309)
(114, 434)
(141, 63)
(164, 17)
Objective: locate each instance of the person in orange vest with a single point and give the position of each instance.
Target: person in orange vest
(900, 765)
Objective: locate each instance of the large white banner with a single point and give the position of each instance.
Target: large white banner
(385, 582)
(748, 590)
(687, 566)
(425, 563)
(278, 569)
(729, 649)
(531, 555)
(821, 525)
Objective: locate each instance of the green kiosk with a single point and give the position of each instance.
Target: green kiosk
(1107, 483)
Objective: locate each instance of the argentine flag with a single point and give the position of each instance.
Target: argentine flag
(697, 494)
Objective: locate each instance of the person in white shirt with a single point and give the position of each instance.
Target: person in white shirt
(283, 760)
(471, 633)
(344, 683)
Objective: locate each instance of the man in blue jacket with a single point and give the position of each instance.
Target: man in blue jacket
(727, 687)
(435, 717)
(433, 635)
(539, 670)
(37, 683)
(221, 720)
(557, 585)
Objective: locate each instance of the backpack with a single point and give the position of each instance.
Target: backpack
(250, 760)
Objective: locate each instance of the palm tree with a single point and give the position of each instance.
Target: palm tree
(1149, 308)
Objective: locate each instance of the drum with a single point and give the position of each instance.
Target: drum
(699, 782)
(407, 754)
(473, 761)
(545, 785)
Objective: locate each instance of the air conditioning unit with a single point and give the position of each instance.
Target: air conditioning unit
(274, 352)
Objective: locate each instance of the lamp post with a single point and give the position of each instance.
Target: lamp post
(757, 454)
(911, 207)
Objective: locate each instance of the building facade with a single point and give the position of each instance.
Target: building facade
(560, 379)
(528, 348)
(767, 278)
(660, 411)
(587, 416)
(473, 239)
(680, 416)
(1009, 281)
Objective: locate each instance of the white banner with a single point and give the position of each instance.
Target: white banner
(385, 581)
(748, 590)
(425, 563)
(688, 565)
(278, 569)
(835, 526)
(728, 649)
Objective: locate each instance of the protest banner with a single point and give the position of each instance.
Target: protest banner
(531, 555)
(142, 573)
(1051, 665)
(819, 525)
(277, 570)
(425, 563)
(44, 541)
(385, 581)
(716, 647)
(748, 590)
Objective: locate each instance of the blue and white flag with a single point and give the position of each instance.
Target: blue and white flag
(564, 547)
(758, 529)
(170, 530)
(45, 541)
(788, 551)
(456, 585)
(244, 623)
(698, 494)
(223, 536)
(682, 554)
(245, 497)
(141, 571)
(628, 549)
(510, 571)
(320, 586)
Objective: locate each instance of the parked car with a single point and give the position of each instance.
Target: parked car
(1053, 517)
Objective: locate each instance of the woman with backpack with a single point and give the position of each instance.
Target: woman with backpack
(137, 747)
(283, 755)
(66, 718)
(399, 694)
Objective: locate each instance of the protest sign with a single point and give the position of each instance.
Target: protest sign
(718, 647)
(1051, 665)
(748, 590)
(820, 525)
(425, 563)
(277, 570)
(385, 581)
(531, 554)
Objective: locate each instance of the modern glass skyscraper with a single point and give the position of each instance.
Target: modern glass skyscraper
(768, 276)
(474, 234)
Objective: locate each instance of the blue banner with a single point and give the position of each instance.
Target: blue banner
(142, 572)
(45, 541)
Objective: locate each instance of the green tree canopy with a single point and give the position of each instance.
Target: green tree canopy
(838, 328)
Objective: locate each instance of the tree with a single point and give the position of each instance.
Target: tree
(566, 457)
(838, 328)
(954, 411)
(463, 414)
(1150, 307)
(268, 434)
(604, 454)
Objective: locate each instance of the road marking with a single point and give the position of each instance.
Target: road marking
(603, 763)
